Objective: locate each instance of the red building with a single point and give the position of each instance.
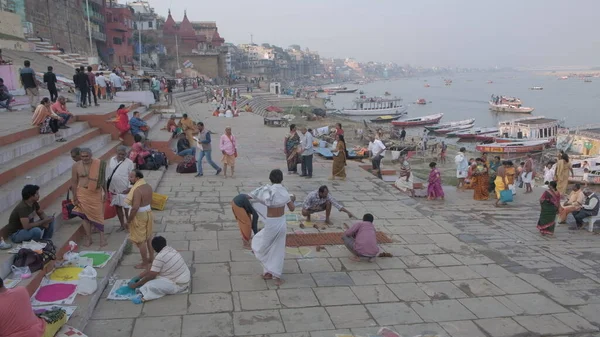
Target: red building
(190, 36)
(119, 34)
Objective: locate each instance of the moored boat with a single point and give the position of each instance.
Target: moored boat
(472, 134)
(384, 119)
(421, 101)
(536, 88)
(529, 128)
(451, 124)
(339, 90)
(375, 106)
(454, 128)
(417, 121)
(514, 147)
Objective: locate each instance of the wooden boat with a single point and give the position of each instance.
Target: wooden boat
(417, 121)
(451, 124)
(488, 137)
(339, 90)
(421, 101)
(536, 88)
(471, 134)
(384, 119)
(587, 80)
(510, 108)
(454, 128)
(427, 85)
(375, 106)
(528, 128)
(514, 147)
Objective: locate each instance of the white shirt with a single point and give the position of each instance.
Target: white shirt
(593, 202)
(101, 81)
(307, 144)
(377, 148)
(115, 80)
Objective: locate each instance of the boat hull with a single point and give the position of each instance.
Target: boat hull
(525, 148)
(386, 120)
(418, 122)
(453, 129)
(377, 112)
(451, 124)
(505, 108)
(485, 135)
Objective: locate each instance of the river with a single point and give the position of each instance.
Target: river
(573, 100)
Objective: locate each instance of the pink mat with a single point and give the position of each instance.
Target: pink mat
(55, 292)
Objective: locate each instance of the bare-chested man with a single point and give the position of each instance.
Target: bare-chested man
(89, 191)
(140, 218)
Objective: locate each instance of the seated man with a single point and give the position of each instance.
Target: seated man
(139, 126)
(60, 108)
(5, 96)
(183, 146)
(319, 201)
(589, 208)
(576, 199)
(360, 239)
(168, 275)
(17, 317)
(21, 224)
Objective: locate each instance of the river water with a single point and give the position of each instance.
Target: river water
(573, 100)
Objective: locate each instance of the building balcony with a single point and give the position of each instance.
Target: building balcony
(99, 36)
(95, 17)
(118, 26)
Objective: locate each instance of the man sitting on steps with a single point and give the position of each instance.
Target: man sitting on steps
(21, 224)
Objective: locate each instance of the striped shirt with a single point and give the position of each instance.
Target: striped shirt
(170, 264)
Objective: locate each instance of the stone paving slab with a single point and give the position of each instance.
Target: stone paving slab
(459, 267)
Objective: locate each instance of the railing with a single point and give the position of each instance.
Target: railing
(99, 36)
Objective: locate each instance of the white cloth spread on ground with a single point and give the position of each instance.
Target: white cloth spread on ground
(119, 181)
(268, 244)
(160, 287)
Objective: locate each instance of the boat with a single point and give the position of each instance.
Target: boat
(536, 88)
(451, 124)
(454, 128)
(471, 134)
(375, 106)
(563, 78)
(448, 82)
(509, 108)
(384, 119)
(417, 121)
(490, 82)
(486, 137)
(514, 147)
(528, 128)
(421, 101)
(427, 85)
(587, 80)
(339, 90)
(506, 100)
(387, 93)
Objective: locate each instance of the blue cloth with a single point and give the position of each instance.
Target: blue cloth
(207, 154)
(506, 196)
(136, 124)
(34, 233)
(125, 291)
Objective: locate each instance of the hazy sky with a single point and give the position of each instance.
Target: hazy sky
(465, 33)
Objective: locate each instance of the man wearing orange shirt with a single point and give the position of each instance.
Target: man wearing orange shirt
(60, 108)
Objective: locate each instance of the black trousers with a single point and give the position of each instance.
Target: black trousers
(580, 215)
(53, 125)
(84, 93)
(376, 162)
(92, 91)
(307, 165)
(53, 94)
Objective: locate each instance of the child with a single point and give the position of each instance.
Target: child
(548, 173)
(360, 239)
(519, 179)
(586, 176)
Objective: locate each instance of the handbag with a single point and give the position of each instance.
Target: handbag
(506, 196)
(109, 211)
(67, 207)
(512, 188)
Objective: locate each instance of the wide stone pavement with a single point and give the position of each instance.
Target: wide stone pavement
(460, 268)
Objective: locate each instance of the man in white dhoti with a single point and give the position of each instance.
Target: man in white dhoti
(268, 245)
(462, 167)
(117, 183)
(168, 275)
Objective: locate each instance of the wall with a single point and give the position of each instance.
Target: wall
(49, 18)
(204, 64)
(10, 24)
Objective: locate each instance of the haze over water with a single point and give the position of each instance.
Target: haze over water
(574, 100)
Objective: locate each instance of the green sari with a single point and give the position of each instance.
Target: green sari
(550, 203)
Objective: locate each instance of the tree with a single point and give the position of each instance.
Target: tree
(266, 45)
(295, 46)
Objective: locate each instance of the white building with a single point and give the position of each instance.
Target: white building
(145, 18)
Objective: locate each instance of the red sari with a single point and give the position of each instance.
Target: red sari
(122, 120)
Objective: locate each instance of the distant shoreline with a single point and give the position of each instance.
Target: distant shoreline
(569, 73)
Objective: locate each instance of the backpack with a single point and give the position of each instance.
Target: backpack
(149, 164)
(188, 165)
(28, 258)
(161, 159)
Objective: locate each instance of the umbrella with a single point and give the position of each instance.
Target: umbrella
(273, 108)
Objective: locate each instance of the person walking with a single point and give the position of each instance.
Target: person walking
(101, 84)
(377, 150)
(228, 146)
(203, 143)
(291, 144)
(550, 204)
(29, 82)
(338, 169)
(83, 84)
(92, 87)
(117, 184)
(306, 155)
(50, 80)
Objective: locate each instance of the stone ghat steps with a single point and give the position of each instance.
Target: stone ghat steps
(39, 62)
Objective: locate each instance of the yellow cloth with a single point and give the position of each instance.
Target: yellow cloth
(40, 115)
(339, 162)
(90, 207)
(562, 176)
(140, 228)
(51, 329)
(499, 182)
(129, 198)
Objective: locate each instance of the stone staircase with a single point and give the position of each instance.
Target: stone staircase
(27, 157)
(48, 49)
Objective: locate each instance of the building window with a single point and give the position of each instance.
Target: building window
(117, 40)
(149, 24)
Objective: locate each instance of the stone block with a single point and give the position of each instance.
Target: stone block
(576, 322)
(248, 282)
(112, 327)
(168, 305)
(297, 298)
(395, 276)
(116, 309)
(440, 311)
(443, 260)
(408, 292)
(543, 325)
(214, 325)
(374, 294)
(486, 307)
(365, 277)
(415, 261)
(428, 274)
(168, 326)
(478, 287)
(462, 329)
(332, 279)
(315, 265)
(210, 303)
(441, 290)
(350, 316)
(256, 300)
(207, 283)
(306, 320)
(513, 285)
(420, 329)
(393, 313)
(501, 327)
(536, 304)
(212, 256)
(335, 296)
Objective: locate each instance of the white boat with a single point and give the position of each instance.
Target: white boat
(536, 88)
(451, 124)
(375, 106)
(471, 134)
(454, 128)
(528, 128)
(509, 108)
(418, 121)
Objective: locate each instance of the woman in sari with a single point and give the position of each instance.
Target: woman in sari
(405, 181)
(339, 159)
(511, 171)
(468, 185)
(434, 188)
(138, 151)
(292, 142)
(268, 244)
(561, 175)
(481, 181)
(122, 121)
(46, 120)
(550, 203)
(501, 182)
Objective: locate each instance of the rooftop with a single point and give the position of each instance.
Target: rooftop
(531, 121)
